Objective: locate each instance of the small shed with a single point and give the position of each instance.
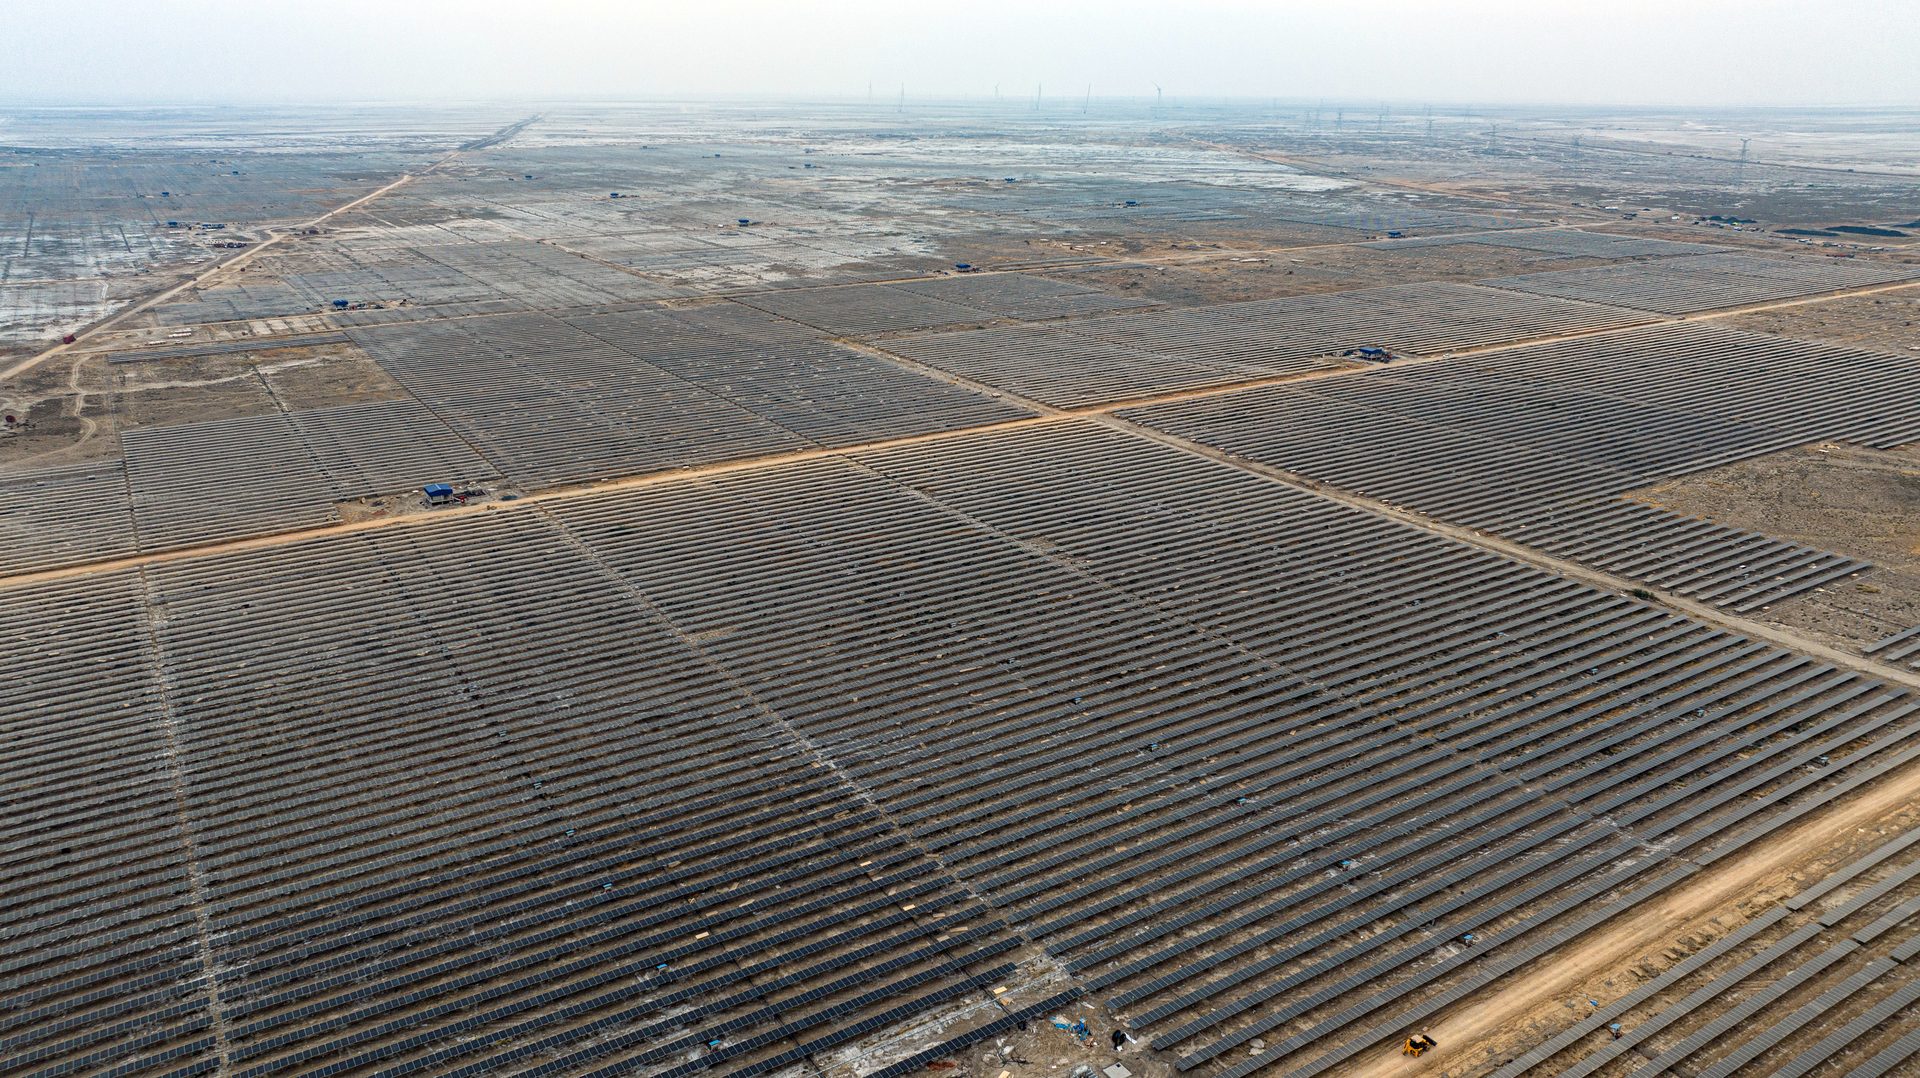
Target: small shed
(438, 493)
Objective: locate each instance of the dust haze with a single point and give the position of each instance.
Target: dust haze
(1636, 52)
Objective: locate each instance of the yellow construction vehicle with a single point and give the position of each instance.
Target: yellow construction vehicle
(1417, 1045)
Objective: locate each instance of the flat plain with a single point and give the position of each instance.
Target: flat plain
(986, 588)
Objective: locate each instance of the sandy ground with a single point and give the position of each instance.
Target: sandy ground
(1889, 322)
(1864, 503)
(62, 415)
(73, 409)
(326, 377)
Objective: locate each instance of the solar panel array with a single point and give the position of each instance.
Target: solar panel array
(426, 831)
(1067, 369)
(520, 272)
(1109, 358)
(1567, 242)
(55, 516)
(864, 310)
(227, 348)
(222, 479)
(551, 401)
(707, 775)
(1421, 319)
(1216, 768)
(228, 479)
(1824, 979)
(78, 228)
(870, 309)
(1732, 567)
(1901, 647)
(856, 760)
(1706, 282)
(235, 303)
(529, 399)
(385, 316)
(1397, 218)
(1536, 442)
(386, 446)
(103, 959)
(1017, 295)
(828, 395)
(1135, 202)
(697, 260)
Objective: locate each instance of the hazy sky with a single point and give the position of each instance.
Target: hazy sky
(1685, 52)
